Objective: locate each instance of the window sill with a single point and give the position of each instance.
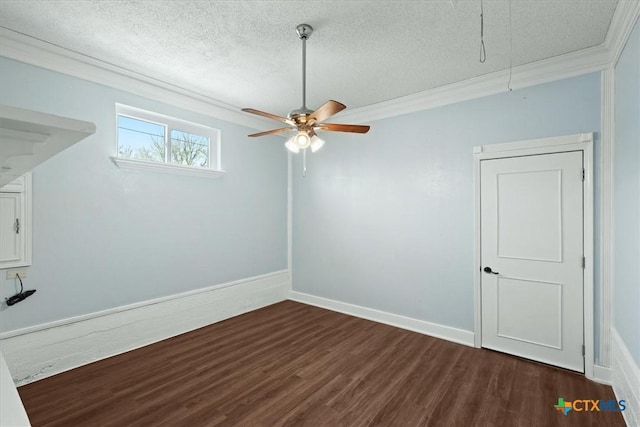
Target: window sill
(141, 165)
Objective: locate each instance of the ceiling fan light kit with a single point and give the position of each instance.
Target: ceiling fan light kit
(316, 143)
(291, 146)
(303, 121)
(302, 140)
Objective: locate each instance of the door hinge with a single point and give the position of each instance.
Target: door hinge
(583, 352)
(583, 174)
(17, 225)
(584, 263)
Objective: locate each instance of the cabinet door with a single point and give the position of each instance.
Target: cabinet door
(11, 227)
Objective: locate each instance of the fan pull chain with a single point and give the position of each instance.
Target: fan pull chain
(483, 52)
(304, 163)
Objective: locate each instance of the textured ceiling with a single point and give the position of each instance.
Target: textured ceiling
(247, 54)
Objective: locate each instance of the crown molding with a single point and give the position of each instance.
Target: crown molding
(26, 49)
(20, 47)
(560, 67)
(624, 18)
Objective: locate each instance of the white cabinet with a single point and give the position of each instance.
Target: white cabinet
(15, 223)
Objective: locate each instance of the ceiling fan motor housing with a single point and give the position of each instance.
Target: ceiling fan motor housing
(300, 114)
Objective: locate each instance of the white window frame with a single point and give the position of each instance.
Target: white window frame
(170, 123)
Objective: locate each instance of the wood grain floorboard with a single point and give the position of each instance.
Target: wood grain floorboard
(290, 364)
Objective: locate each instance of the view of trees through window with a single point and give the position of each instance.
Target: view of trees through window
(189, 149)
(145, 140)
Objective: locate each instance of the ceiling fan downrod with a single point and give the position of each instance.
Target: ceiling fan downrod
(304, 32)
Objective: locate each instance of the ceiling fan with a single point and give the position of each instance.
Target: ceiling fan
(304, 121)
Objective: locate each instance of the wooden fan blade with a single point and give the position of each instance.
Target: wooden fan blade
(325, 111)
(335, 127)
(268, 115)
(269, 132)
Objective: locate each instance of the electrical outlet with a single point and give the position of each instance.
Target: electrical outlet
(11, 274)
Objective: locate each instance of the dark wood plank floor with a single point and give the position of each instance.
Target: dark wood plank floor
(293, 364)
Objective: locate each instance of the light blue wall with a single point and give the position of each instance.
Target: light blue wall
(385, 220)
(626, 304)
(104, 237)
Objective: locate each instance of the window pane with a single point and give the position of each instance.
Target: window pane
(189, 149)
(139, 139)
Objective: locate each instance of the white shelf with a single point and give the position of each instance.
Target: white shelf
(142, 165)
(28, 138)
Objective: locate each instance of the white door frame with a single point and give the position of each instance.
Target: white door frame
(576, 142)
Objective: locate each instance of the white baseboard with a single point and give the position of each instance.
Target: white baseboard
(38, 352)
(448, 333)
(602, 374)
(626, 379)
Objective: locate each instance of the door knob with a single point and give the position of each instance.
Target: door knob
(488, 270)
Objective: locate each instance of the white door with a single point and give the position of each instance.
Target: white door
(532, 257)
